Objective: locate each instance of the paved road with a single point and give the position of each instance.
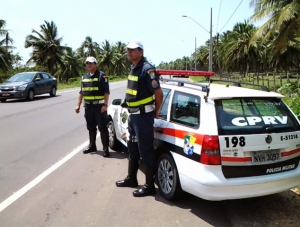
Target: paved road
(35, 136)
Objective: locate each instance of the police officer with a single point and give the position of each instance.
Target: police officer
(143, 91)
(95, 92)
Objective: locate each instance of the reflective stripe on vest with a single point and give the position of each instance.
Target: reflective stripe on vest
(92, 98)
(133, 78)
(90, 80)
(140, 102)
(131, 92)
(90, 89)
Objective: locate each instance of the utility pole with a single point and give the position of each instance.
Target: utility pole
(195, 54)
(210, 43)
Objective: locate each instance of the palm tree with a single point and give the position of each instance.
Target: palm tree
(202, 55)
(106, 57)
(6, 57)
(284, 19)
(72, 66)
(89, 48)
(238, 50)
(47, 48)
(120, 61)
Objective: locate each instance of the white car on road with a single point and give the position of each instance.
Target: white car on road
(219, 141)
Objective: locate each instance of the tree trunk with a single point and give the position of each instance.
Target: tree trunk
(247, 69)
(287, 73)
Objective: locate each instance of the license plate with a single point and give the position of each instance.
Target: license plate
(5, 94)
(261, 157)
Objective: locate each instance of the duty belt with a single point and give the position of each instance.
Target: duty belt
(94, 102)
(141, 109)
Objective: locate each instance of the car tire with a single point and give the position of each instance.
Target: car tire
(114, 143)
(168, 178)
(3, 100)
(30, 95)
(53, 91)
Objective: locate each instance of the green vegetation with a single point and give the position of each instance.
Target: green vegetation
(75, 82)
(245, 53)
(48, 54)
(271, 48)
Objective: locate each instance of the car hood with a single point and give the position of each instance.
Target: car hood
(13, 84)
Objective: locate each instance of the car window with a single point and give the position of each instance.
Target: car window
(38, 76)
(166, 100)
(185, 109)
(45, 76)
(254, 116)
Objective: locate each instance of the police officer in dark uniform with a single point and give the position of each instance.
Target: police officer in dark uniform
(95, 92)
(143, 100)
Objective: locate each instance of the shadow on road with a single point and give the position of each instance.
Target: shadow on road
(119, 154)
(209, 211)
(281, 209)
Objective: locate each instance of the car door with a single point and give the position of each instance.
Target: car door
(181, 133)
(47, 83)
(38, 84)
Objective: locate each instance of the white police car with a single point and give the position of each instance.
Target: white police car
(219, 142)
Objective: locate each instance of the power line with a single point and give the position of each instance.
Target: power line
(232, 15)
(219, 14)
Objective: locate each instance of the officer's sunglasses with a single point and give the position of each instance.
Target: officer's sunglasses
(89, 63)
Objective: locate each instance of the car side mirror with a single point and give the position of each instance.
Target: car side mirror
(116, 102)
(37, 79)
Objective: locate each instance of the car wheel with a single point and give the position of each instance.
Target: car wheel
(114, 143)
(167, 177)
(30, 95)
(3, 100)
(53, 91)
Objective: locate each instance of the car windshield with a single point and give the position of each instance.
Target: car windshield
(24, 77)
(254, 116)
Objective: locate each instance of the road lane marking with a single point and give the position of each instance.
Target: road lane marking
(41, 177)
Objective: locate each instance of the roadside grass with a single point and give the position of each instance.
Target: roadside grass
(75, 82)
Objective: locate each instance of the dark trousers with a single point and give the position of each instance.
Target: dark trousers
(141, 138)
(94, 118)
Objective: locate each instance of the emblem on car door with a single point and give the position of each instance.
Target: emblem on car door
(268, 139)
(124, 117)
(189, 142)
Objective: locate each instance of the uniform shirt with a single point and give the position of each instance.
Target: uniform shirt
(147, 82)
(103, 83)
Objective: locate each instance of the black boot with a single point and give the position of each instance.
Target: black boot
(105, 142)
(92, 146)
(148, 188)
(130, 180)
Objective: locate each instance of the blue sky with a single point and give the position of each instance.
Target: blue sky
(158, 24)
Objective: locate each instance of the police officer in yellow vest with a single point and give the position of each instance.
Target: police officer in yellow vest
(143, 100)
(95, 92)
